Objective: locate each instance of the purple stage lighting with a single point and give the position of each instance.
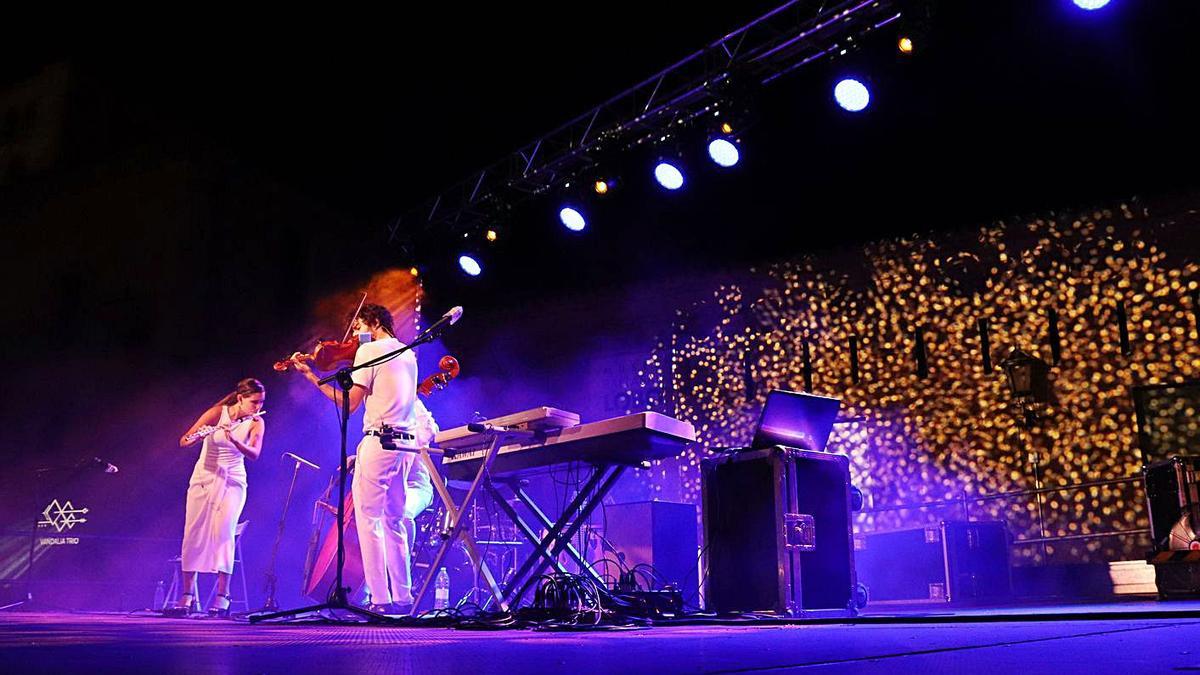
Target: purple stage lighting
(852, 95)
(723, 152)
(572, 219)
(1089, 5)
(469, 265)
(668, 175)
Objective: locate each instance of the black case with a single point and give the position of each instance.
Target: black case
(1171, 491)
(778, 534)
(953, 561)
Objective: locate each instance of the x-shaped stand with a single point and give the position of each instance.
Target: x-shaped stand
(559, 533)
(500, 437)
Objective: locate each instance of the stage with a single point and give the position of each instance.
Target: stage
(1128, 637)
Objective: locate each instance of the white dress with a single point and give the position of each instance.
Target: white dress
(215, 497)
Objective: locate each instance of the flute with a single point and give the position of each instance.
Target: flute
(209, 429)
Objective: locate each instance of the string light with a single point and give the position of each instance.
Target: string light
(953, 434)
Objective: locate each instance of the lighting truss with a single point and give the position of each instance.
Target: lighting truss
(789, 37)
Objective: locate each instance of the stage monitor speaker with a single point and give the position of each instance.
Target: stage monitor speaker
(953, 561)
(777, 533)
(659, 534)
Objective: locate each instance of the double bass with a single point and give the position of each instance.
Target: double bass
(321, 574)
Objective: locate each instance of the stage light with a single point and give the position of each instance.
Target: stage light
(469, 265)
(1090, 5)
(723, 152)
(726, 128)
(414, 271)
(572, 219)
(905, 45)
(491, 235)
(601, 187)
(668, 175)
(852, 95)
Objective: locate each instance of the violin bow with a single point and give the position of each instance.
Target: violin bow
(355, 317)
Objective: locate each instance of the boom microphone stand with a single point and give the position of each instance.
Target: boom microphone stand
(271, 605)
(340, 597)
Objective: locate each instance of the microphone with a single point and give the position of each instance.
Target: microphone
(448, 319)
(301, 460)
(108, 468)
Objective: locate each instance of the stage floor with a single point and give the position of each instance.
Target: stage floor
(1112, 638)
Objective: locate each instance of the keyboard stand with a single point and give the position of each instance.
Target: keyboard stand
(456, 512)
(559, 533)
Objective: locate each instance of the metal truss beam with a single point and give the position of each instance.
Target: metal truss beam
(797, 33)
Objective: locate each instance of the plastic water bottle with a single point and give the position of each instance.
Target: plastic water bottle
(160, 596)
(441, 590)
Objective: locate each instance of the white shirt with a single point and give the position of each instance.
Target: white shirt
(391, 386)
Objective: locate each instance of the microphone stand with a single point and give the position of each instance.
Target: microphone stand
(340, 597)
(271, 605)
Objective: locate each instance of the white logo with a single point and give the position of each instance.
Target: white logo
(62, 516)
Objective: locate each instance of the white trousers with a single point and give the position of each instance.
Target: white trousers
(379, 500)
(418, 495)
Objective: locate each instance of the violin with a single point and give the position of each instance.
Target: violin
(449, 370)
(329, 354)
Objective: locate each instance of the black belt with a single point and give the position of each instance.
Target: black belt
(391, 433)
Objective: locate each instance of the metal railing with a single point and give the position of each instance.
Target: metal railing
(964, 501)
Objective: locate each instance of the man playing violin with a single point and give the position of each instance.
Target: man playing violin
(387, 392)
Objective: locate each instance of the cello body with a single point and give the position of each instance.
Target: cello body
(320, 577)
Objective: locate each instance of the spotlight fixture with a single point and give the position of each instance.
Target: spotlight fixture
(668, 175)
(572, 219)
(852, 95)
(604, 185)
(726, 128)
(414, 271)
(724, 152)
(490, 235)
(905, 45)
(1090, 5)
(469, 265)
